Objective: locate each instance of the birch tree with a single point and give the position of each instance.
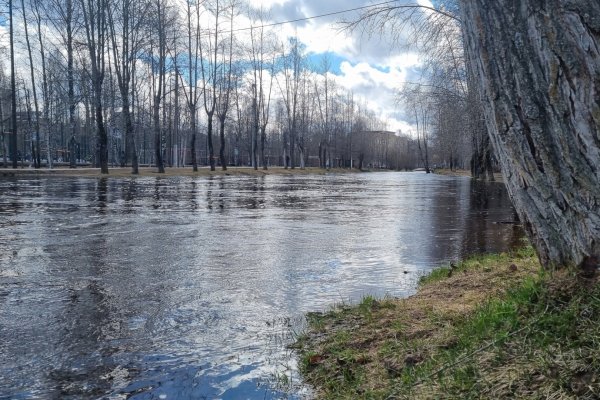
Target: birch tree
(261, 56)
(191, 91)
(224, 85)
(289, 89)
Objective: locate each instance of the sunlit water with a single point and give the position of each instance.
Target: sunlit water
(157, 288)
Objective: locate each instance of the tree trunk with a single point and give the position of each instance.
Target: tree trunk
(193, 144)
(13, 91)
(3, 133)
(158, 135)
(35, 149)
(538, 66)
(130, 151)
(211, 152)
(70, 76)
(263, 140)
(255, 128)
(222, 143)
(102, 136)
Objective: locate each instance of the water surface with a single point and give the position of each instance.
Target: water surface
(155, 288)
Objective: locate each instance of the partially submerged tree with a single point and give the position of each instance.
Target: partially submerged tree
(260, 49)
(537, 65)
(224, 85)
(209, 66)
(191, 91)
(291, 69)
(13, 89)
(35, 149)
(125, 19)
(95, 20)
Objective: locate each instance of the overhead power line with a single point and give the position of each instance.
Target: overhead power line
(313, 17)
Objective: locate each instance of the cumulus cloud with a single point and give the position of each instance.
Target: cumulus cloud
(372, 67)
(379, 87)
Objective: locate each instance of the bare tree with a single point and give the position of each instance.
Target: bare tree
(95, 22)
(291, 69)
(128, 15)
(224, 86)
(261, 86)
(35, 153)
(159, 61)
(13, 90)
(45, 92)
(209, 67)
(191, 91)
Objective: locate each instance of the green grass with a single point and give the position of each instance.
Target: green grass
(520, 334)
(510, 347)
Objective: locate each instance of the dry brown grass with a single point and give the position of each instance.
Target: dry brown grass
(464, 172)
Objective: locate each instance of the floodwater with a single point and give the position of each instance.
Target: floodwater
(176, 288)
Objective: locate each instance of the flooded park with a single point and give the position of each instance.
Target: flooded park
(193, 287)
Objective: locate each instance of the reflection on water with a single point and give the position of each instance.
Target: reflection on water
(192, 287)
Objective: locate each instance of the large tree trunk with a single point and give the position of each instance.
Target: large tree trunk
(538, 67)
(481, 148)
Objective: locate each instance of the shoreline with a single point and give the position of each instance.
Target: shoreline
(169, 172)
(491, 326)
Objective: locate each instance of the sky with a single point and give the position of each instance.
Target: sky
(372, 67)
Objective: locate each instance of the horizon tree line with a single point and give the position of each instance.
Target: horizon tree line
(173, 83)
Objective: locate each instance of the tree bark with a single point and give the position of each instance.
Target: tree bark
(222, 142)
(35, 150)
(193, 143)
(211, 151)
(70, 76)
(13, 91)
(538, 67)
(94, 14)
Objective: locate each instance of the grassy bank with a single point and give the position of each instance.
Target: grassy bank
(464, 172)
(452, 172)
(489, 327)
(147, 171)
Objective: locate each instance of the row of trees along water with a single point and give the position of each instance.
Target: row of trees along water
(179, 83)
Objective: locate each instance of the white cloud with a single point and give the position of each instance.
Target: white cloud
(379, 87)
(373, 69)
